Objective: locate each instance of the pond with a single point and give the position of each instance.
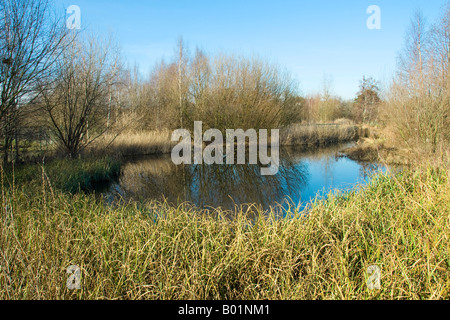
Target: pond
(302, 176)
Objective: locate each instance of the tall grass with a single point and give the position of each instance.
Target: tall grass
(67, 175)
(156, 251)
(159, 142)
(316, 135)
(135, 143)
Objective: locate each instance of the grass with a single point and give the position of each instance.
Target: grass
(157, 251)
(316, 135)
(158, 142)
(381, 144)
(140, 143)
(135, 144)
(369, 149)
(67, 175)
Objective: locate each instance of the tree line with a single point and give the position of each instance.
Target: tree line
(68, 88)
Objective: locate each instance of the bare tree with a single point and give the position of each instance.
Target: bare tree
(413, 60)
(419, 102)
(77, 102)
(200, 82)
(329, 104)
(182, 65)
(440, 49)
(31, 38)
(223, 91)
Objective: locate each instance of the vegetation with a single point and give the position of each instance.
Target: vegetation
(74, 96)
(417, 107)
(317, 135)
(76, 103)
(66, 175)
(223, 92)
(156, 251)
(367, 102)
(31, 39)
(81, 96)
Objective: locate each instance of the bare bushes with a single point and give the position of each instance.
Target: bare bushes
(77, 103)
(418, 104)
(222, 92)
(314, 135)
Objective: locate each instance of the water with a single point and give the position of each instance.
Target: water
(303, 175)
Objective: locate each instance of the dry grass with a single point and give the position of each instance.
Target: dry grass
(315, 135)
(156, 251)
(135, 143)
(377, 150)
(158, 142)
(382, 144)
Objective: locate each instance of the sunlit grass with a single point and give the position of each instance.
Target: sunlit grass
(316, 135)
(157, 251)
(135, 143)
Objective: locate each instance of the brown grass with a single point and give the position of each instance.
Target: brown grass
(158, 142)
(135, 143)
(400, 224)
(314, 135)
(383, 145)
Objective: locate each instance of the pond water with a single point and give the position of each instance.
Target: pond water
(302, 176)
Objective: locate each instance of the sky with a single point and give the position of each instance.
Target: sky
(312, 39)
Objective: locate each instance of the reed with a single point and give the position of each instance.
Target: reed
(158, 142)
(134, 144)
(400, 223)
(67, 175)
(316, 135)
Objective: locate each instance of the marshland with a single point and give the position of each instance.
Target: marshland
(87, 177)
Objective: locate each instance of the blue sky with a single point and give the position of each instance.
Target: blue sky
(311, 39)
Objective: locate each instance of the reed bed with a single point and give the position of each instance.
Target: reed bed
(135, 144)
(153, 250)
(316, 135)
(158, 142)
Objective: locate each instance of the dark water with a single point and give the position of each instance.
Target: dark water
(302, 176)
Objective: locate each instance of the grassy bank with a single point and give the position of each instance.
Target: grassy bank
(135, 144)
(382, 145)
(377, 150)
(158, 142)
(400, 224)
(141, 143)
(66, 175)
(317, 135)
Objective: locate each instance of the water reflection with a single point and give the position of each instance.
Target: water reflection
(302, 174)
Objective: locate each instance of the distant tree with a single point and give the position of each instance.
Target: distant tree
(346, 109)
(223, 91)
(182, 79)
(414, 58)
(367, 101)
(311, 108)
(328, 105)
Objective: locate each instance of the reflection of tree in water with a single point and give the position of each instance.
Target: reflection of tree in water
(226, 185)
(230, 185)
(367, 169)
(211, 185)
